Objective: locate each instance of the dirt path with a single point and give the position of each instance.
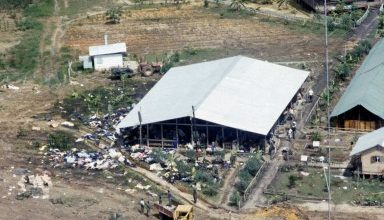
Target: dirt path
(209, 208)
(366, 28)
(257, 198)
(228, 186)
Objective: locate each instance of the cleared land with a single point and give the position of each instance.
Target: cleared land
(155, 31)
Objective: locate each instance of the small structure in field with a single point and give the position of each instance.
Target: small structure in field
(104, 57)
(368, 153)
(361, 106)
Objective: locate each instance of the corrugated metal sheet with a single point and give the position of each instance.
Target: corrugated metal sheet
(107, 49)
(368, 141)
(367, 87)
(237, 92)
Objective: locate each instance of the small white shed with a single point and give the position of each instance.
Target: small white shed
(107, 56)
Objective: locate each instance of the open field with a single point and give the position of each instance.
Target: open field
(159, 30)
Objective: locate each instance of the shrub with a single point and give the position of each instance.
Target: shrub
(235, 199)
(342, 71)
(241, 185)
(316, 136)
(292, 181)
(61, 140)
(253, 165)
(204, 177)
(113, 15)
(191, 154)
(210, 190)
(21, 133)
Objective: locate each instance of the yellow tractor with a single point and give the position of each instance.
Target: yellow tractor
(179, 212)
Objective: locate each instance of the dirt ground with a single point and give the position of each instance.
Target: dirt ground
(145, 32)
(151, 31)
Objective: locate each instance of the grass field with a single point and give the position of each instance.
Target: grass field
(344, 190)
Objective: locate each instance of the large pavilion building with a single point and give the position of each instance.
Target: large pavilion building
(236, 98)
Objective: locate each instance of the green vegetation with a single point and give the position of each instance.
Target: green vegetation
(113, 15)
(380, 27)
(346, 17)
(14, 4)
(246, 174)
(99, 100)
(24, 57)
(61, 140)
(42, 8)
(80, 7)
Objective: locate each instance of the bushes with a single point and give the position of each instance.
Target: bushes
(246, 174)
(292, 181)
(204, 177)
(97, 100)
(235, 199)
(61, 140)
(210, 190)
(113, 15)
(43, 8)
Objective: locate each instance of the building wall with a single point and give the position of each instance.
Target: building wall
(108, 61)
(369, 167)
(357, 118)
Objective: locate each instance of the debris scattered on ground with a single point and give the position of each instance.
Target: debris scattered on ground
(68, 124)
(35, 128)
(34, 186)
(10, 86)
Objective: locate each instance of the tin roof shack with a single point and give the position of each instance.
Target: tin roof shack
(104, 57)
(361, 106)
(231, 97)
(368, 153)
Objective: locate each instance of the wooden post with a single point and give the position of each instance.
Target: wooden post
(162, 141)
(222, 136)
(238, 140)
(192, 133)
(147, 135)
(177, 135)
(207, 134)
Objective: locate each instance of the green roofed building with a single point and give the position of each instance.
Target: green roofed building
(362, 104)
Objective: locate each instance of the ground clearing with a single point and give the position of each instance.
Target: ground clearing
(8, 31)
(165, 29)
(344, 189)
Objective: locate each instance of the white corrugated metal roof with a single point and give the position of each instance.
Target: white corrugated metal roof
(107, 49)
(368, 141)
(237, 92)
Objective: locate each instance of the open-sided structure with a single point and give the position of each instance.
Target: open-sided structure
(238, 94)
(361, 106)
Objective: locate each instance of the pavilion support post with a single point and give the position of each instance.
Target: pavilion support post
(177, 135)
(222, 136)
(206, 127)
(162, 140)
(147, 135)
(192, 134)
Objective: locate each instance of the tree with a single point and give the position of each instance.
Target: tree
(113, 15)
(238, 5)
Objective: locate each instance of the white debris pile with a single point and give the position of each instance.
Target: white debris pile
(35, 186)
(101, 160)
